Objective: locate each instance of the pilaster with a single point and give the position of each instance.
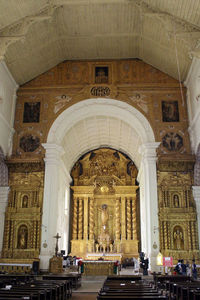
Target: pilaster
(196, 195)
(149, 203)
(4, 190)
(53, 167)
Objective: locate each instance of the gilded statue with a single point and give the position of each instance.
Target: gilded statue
(25, 201)
(104, 215)
(178, 239)
(22, 237)
(176, 200)
(104, 237)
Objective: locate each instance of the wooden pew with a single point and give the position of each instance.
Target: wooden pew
(75, 278)
(126, 287)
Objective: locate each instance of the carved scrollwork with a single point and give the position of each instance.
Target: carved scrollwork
(100, 91)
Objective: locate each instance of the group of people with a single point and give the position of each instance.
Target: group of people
(185, 269)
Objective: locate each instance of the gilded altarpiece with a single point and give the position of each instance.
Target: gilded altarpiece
(177, 210)
(104, 205)
(23, 215)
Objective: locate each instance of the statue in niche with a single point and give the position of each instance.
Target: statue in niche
(104, 238)
(170, 111)
(22, 237)
(101, 75)
(178, 239)
(25, 202)
(176, 200)
(104, 216)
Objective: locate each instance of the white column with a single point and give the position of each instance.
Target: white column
(149, 203)
(63, 202)
(53, 166)
(4, 190)
(67, 216)
(196, 195)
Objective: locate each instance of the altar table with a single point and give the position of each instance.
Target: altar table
(98, 267)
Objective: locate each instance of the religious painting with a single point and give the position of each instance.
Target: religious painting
(170, 111)
(22, 237)
(31, 112)
(29, 143)
(172, 141)
(101, 74)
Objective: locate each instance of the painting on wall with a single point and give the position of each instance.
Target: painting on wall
(31, 112)
(170, 111)
(101, 74)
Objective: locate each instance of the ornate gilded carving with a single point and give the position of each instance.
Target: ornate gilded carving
(105, 179)
(23, 216)
(100, 91)
(177, 212)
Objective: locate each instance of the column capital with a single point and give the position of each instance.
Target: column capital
(196, 193)
(53, 149)
(53, 152)
(148, 150)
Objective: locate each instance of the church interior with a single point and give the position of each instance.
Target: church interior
(99, 138)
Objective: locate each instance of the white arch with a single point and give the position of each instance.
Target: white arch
(82, 127)
(90, 111)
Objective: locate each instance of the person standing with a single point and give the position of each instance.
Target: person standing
(194, 269)
(183, 267)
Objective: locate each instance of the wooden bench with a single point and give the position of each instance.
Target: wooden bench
(128, 287)
(75, 278)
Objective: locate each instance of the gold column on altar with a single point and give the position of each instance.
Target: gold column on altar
(74, 233)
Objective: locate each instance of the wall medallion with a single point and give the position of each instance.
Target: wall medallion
(29, 143)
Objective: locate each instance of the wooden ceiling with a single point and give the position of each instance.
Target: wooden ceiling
(37, 35)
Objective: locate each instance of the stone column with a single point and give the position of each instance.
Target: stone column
(53, 166)
(149, 203)
(4, 190)
(196, 195)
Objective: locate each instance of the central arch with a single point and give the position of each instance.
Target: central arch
(111, 115)
(88, 125)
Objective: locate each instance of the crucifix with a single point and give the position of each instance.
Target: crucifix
(57, 236)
